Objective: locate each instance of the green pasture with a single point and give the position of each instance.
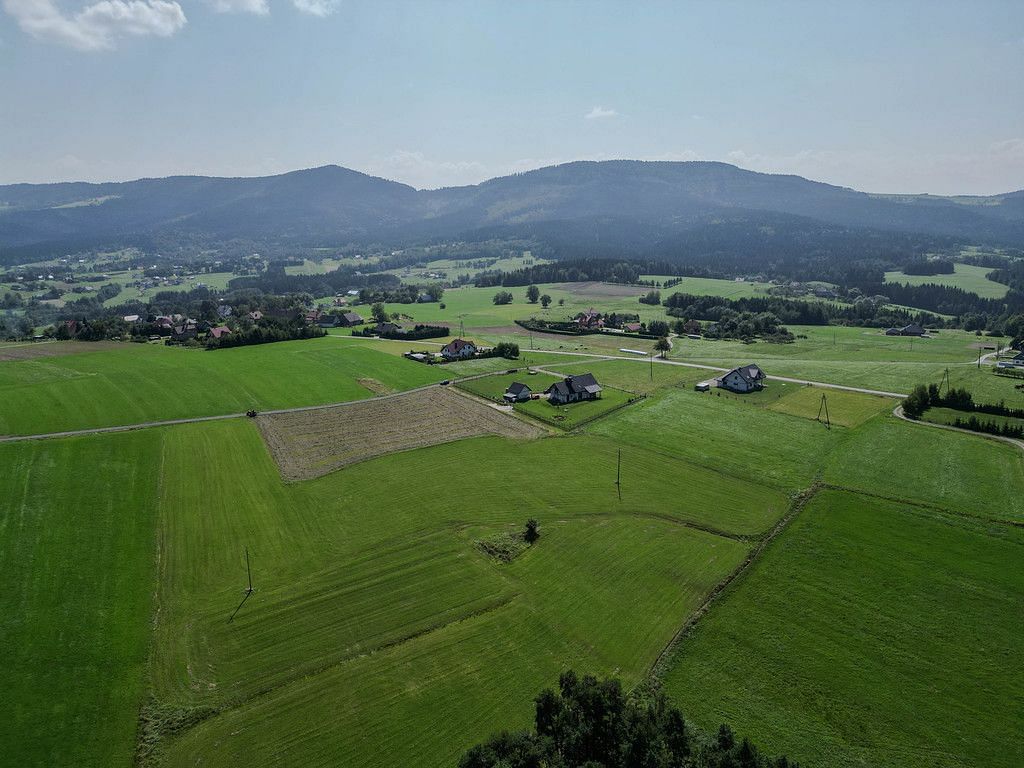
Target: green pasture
(707, 286)
(140, 382)
(213, 280)
(735, 437)
(960, 472)
(372, 605)
(77, 542)
(847, 409)
(969, 277)
(637, 375)
(869, 634)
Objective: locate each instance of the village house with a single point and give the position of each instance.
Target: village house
(517, 392)
(907, 330)
(348, 319)
(383, 329)
(747, 378)
(631, 327)
(589, 320)
(574, 389)
(224, 310)
(458, 349)
(220, 331)
(328, 321)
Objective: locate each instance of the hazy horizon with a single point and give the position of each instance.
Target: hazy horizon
(490, 178)
(916, 97)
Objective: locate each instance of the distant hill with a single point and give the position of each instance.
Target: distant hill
(339, 205)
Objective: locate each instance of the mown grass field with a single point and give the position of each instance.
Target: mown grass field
(847, 409)
(373, 606)
(966, 276)
(870, 633)
(573, 415)
(960, 472)
(727, 436)
(77, 543)
(138, 383)
(950, 415)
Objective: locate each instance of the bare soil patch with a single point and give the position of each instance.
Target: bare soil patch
(309, 444)
(34, 350)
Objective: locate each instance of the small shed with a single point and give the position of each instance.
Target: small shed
(517, 392)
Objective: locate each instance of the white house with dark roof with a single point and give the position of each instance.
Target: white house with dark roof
(746, 378)
(573, 389)
(458, 349)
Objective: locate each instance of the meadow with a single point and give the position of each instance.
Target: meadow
(139, 383)
(373, 606)
(966, 276)
(870, 633)
(77, 539)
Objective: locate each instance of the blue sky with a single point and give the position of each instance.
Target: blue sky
(887, 97)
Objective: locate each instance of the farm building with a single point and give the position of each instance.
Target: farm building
(386, 328)
(458, 349)
(517, 392)
(631, 327)
(220, 331)
(746, 378)
(907, 330)
(349, 319)
(574, 389)
(328, 321)
(589, 320)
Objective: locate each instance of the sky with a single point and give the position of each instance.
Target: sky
(900, 97)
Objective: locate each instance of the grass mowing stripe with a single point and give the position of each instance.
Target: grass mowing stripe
(864, 631)
(77, 521)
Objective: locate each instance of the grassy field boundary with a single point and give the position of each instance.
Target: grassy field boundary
(664, 659)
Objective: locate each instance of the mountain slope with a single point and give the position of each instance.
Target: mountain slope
(333, 203)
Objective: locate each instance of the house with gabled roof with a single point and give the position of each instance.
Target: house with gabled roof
(348, 319)
(746, 378)
(572, 389)
(458, 349)
(517, 392)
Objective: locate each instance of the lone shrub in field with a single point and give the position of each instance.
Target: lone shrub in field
(532, 531)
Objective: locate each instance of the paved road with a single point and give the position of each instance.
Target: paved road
(199, 419)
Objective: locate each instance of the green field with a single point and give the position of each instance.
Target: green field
(966, 276)
(949, 416)
(870, 634)
(960, 472)
(77, 543)
(879, 628)
(375, 618)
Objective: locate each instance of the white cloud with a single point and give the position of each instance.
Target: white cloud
(316, 7)
(98, 25)
(600, 113)
(257, 7)
(420, 171)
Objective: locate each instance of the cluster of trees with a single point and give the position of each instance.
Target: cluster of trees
(929, 267)
(506, 349)
(415, 333)
(923, 397)
(1003, 428)
(591, 723)
(651, 297)
(265, 332)
(503, 297)
(747, 326)
(865, 310)
(403, 294)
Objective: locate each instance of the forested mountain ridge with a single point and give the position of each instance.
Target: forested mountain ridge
(335, 204)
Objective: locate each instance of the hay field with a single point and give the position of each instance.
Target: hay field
(308, 444)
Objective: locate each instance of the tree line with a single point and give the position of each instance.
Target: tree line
(591, 723)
